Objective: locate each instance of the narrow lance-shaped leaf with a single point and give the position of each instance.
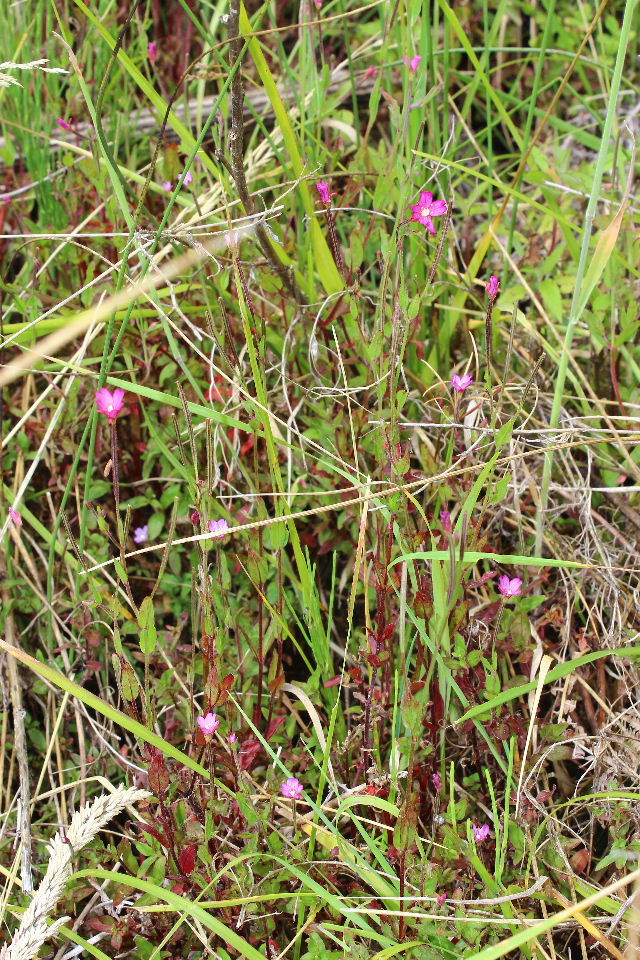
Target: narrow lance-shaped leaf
(147, 624)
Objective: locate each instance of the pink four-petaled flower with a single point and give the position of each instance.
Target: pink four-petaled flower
(510, 588)
(460, 383)
(292, 788)
(141, 534)
(412, 63)
(209, 724)
(426, 209)
(218, 527)
(110, 404)
(481, 833)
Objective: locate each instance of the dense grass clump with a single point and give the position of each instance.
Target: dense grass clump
(319, 509)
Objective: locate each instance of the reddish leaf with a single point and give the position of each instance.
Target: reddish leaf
(580, 860)
(225, 686)
(249, 752)
(187, 859)
(155, 833)
(274, 726)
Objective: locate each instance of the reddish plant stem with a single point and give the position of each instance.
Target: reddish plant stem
(114, 467)
(257, 716)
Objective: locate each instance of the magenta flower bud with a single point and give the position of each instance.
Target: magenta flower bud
(152, 51)
(323, 189)
(445, 519)
(436, 780)
(233, 738)
(195, 518)
(63, 123)
(413, 63)
(493, 287)
(15, 516)
(292, 788)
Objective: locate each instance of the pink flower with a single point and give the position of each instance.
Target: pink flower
(141, 534)
(218, 527)
(318, 3)
(510, 588)
(292, 788)
(493, 287)
(481, 833)
(188, 178)
(209, 724)
(441, 899)
(152, 50)
(414, 63)
(427, 208)
(167, 186)
(63, 123)
(110, 404)
(371, 72)
(436, 780)
(460, 383)
(445, 519)
(323, 189)
(15, 516)
(233, 738)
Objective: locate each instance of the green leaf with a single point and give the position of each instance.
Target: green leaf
(156, 524)
(147, 624)
(601, 256)
(472, 556)
(504, 435)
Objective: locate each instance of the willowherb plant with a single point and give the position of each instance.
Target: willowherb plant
(85, 825)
